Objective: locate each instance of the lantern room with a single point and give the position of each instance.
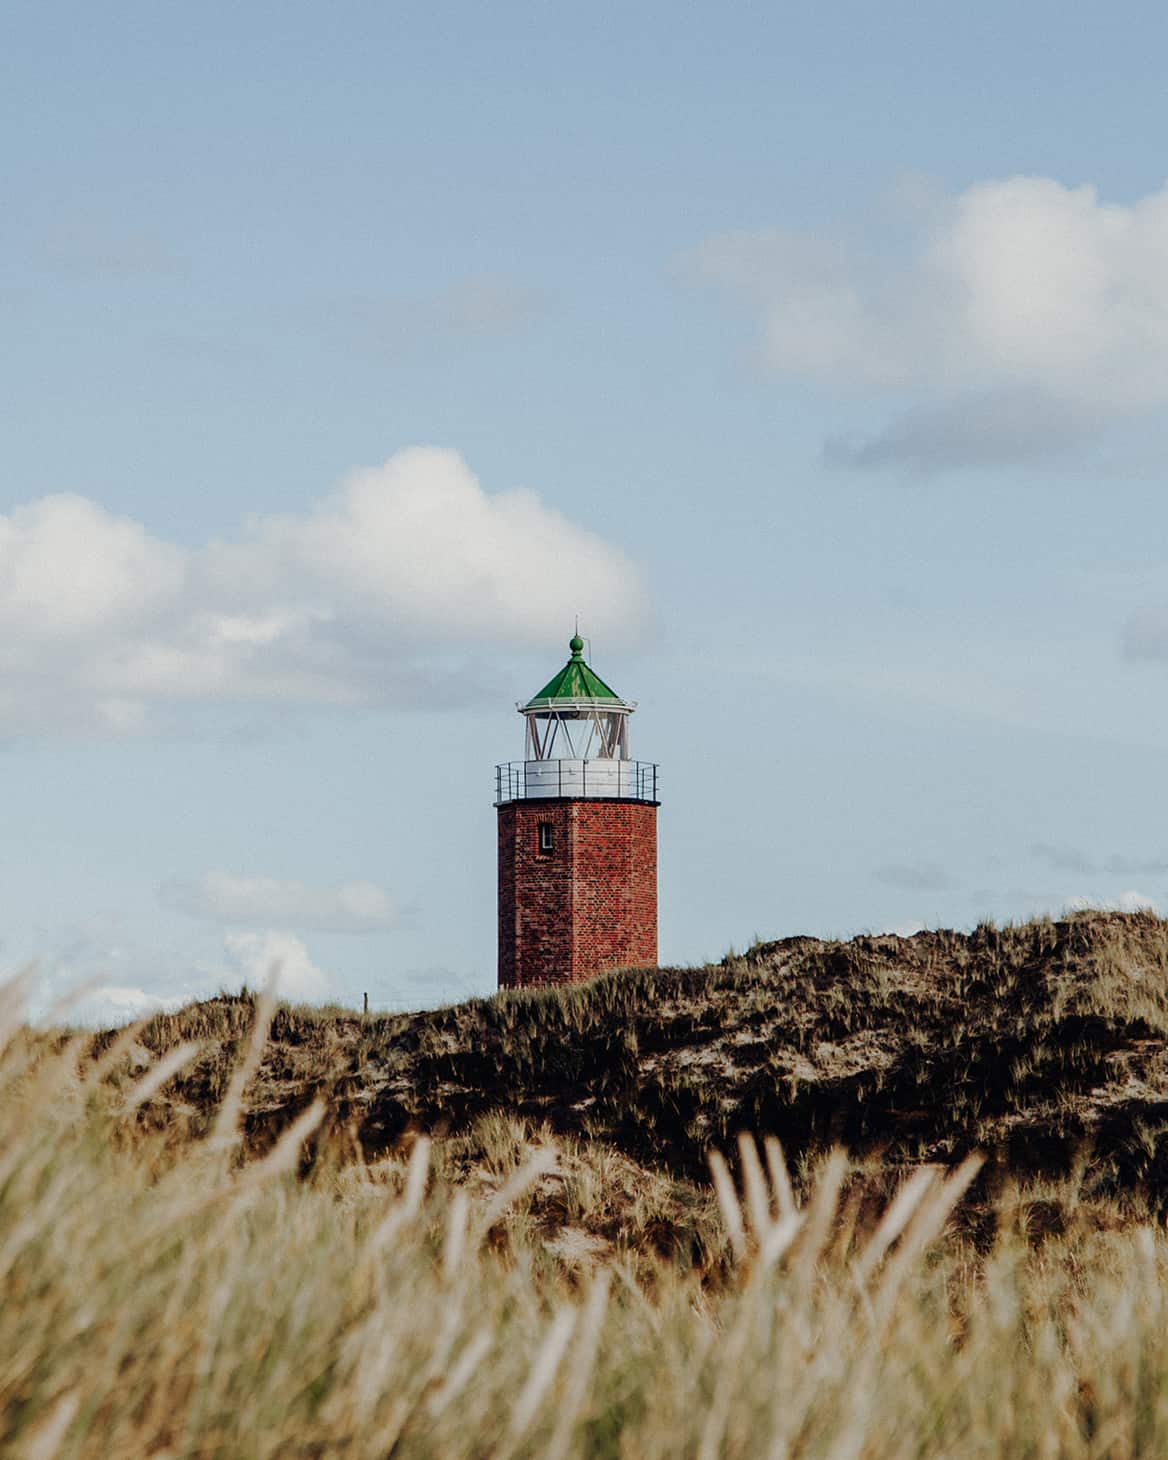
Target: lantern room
(577, 716)
(576, 741)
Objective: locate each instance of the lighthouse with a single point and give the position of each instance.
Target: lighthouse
(577, 837)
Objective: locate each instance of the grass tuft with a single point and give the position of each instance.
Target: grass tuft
(541, 1226)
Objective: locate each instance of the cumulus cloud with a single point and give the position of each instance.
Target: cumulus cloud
(108, 1005)
(260, 957)
(224, 897)
(93, 971)
(353, 601)
(1025, 316)
(96, 974)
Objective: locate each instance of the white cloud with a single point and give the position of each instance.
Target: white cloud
(94, 971)
(258, 957)
(353, 907)
(1122, 902)
(108, 1005)
(419, 545)
(1025, 315)
(374, 596)
(93, 974)
(69, 570)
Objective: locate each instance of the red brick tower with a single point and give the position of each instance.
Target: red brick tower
(577, 838)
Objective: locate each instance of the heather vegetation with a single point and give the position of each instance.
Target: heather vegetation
(539, 1225)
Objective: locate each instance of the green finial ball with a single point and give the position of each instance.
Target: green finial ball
(576, 644)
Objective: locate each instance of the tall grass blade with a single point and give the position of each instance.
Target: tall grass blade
(164, 1071)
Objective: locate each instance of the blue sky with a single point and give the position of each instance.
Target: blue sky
(817, 357)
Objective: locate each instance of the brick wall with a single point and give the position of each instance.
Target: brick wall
(588, 904)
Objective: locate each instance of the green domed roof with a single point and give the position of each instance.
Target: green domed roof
(574, 682)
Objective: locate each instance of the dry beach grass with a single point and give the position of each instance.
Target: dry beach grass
(199, 1255)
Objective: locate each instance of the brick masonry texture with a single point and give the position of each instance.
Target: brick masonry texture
(587, 905)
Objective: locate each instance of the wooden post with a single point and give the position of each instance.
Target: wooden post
(365, 1011)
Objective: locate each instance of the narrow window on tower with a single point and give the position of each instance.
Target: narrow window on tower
(547, 839)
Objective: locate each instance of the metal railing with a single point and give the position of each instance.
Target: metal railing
(617, 780)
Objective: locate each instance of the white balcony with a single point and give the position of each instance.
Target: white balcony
(600, 779)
